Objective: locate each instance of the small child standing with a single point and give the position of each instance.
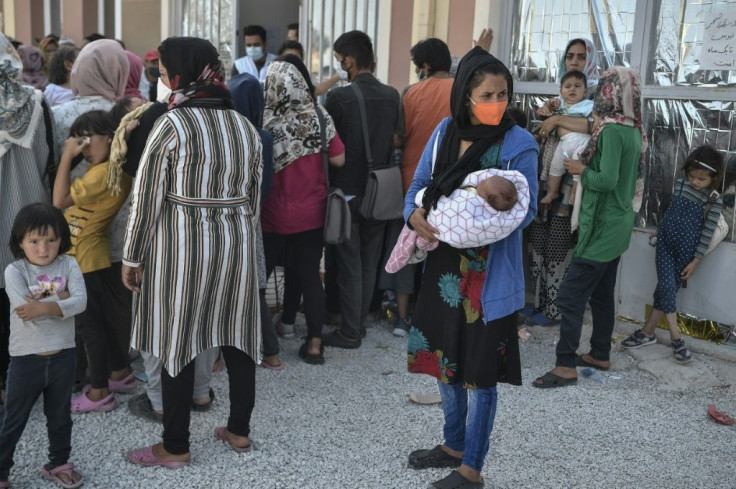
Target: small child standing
(682, 240)
(572, 103)
(46, 290)
(90, 209)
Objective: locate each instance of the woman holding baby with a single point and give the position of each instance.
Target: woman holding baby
(464, 327)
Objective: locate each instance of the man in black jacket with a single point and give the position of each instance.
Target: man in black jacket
(357, 258)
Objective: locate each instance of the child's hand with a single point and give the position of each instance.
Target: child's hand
(31, 310)
(64, 294)
(73, 147)
(130, 127)
(688, 271)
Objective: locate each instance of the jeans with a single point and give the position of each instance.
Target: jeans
(98, 329)
(202, 375)
(587, 280)
(177, 397)
(469, 415)
(357, 266)
(301, 253)
(29, 376)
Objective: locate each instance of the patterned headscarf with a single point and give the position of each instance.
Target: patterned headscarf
(591, 61)
(101, 68)
(20, 105)
(134, 77)
(291, 115)
(618, 101)
(33, 62)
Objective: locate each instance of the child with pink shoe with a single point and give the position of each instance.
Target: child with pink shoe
(46, 290)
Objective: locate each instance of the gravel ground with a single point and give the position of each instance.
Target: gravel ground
(348, 424)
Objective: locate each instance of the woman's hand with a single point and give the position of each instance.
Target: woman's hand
(688, 271)
(421, 226)
(132, 277)
(73, 147)
(574, 167)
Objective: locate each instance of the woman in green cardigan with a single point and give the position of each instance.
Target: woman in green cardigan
(608, 169)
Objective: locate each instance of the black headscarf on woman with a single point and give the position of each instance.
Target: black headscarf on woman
(449, 170)
(195, 73)
(296, 61)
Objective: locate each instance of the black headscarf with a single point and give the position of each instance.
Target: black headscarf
(449, 170)
(297, 61)
(195, 72)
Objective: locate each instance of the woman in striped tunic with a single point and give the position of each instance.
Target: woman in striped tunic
(190, 245)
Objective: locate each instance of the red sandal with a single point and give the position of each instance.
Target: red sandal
(719, 417)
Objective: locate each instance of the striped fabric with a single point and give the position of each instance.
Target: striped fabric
(711, 220)
(22, 182)
(192, 224)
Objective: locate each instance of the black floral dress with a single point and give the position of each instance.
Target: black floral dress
(449, 339)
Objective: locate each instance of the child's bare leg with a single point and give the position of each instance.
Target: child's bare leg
(553, 189)
(672, 323)
(654, 318)
(402, 303)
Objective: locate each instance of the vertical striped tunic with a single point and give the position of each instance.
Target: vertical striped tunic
(192, 225)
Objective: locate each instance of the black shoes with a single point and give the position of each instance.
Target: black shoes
(434, 458)
(336, 340)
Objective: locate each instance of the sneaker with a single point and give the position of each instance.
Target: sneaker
(433, 458)
(141, 407)
(284, 330)
(638, 339)
(682, 355)
(402, 327)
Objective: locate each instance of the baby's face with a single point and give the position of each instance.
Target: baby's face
(499, 192)
(572, 91)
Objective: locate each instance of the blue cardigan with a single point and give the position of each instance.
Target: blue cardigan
(503, 290)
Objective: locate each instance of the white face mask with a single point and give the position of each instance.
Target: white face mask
(339, 71)
(162, 91)
(255, 52)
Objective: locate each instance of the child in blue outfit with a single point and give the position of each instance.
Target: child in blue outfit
(46, 290)
(682, 240)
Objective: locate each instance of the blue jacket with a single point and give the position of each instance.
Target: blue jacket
(503, 290)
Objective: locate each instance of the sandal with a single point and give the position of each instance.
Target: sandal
(203, 408)
(580, 362)
(5, 485)
(433, 458)
(122, 386)
(270, 366)
(83, 404)
(718, 416)
(221, 434)
(456, 481)
(312, 359)
(146, 458)
(67, 470)
(550, 380)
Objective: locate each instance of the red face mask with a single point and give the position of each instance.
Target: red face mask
(489, 113)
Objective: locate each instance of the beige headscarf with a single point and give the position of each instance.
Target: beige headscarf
(101, 68)
(119, 147)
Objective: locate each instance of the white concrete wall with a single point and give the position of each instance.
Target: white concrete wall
(710, 293)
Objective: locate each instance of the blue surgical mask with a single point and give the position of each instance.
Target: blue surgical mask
(255, 52)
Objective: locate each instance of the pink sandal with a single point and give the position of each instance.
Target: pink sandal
(122, 386)
(66, 469)
(221, 434)
(146, 458)
(83, 404)
(5, 485)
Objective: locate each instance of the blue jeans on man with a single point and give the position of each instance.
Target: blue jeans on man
(587, 281)
(30, 376)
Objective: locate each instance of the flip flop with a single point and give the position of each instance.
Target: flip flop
(146, 458)
(66, 469)
(550, 380)
(719, 417)
(580, 362)
(221, 434)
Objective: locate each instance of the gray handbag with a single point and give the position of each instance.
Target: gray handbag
(384, 192)
(337, 216)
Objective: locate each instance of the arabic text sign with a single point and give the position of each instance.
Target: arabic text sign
(719, 43)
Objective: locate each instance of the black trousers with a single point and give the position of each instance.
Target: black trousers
(4, 336)
(301, 252)
(177, 399)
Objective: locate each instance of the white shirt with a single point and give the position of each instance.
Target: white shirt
(247, 65)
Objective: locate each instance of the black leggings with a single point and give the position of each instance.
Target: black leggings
(177, 399)
(301, 253)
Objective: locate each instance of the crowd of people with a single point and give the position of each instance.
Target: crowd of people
(147, 201)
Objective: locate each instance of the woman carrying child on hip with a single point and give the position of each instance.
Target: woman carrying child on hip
(46, 291)
(682, 240)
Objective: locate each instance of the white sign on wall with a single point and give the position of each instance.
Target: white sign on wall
(719, 43)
